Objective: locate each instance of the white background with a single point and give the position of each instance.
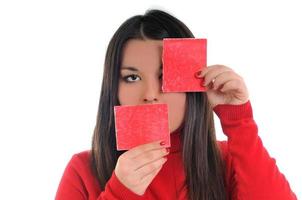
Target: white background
(51, 63)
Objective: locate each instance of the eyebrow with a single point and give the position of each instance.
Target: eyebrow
(130, 68)
(135, 69)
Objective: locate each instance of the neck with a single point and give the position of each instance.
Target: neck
(179, 129)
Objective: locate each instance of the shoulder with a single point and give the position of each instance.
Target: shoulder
(226, 157)
(225, 153)
(79, 167)
(80, 159)
(79, 162)
(78, 178)
(82, 155)
(223, 147)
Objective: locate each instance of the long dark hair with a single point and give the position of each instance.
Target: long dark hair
(202, 160)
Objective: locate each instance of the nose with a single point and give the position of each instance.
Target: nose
(152, 92)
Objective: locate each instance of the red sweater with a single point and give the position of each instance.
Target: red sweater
(250, 172)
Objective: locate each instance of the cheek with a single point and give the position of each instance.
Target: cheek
(124, 97)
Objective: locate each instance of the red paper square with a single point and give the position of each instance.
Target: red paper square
(182, 58)
(141, 124)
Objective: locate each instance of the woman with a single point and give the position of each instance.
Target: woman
(196, 167)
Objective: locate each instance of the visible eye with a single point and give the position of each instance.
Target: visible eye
(130, 78)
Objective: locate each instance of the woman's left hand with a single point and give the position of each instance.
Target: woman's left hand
(223, 85)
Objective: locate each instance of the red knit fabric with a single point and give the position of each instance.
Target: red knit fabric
(251, 174)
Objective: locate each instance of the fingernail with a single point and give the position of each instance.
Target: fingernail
(198, 74)
(162, 143)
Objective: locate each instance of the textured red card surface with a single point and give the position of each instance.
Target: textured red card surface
(141, 124)
(182, 57)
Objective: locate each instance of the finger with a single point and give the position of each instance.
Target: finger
(143, 148)
(224, 77)
(149, 157)
(200, 72)
(148, 178)
(231, 85)
(151, 167)
(214, 72)
(210, 68)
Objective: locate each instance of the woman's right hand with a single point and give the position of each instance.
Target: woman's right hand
(137, 167)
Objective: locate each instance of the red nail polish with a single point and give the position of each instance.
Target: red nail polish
(197, 74)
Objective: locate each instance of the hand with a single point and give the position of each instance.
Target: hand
(137, 167)
(224, 85)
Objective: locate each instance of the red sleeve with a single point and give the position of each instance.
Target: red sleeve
(256, 175)
(116, 190)
(77, 183)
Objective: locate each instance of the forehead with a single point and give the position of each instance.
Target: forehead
(142, 53)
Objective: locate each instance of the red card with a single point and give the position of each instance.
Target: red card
(141, 124)
(182, 58)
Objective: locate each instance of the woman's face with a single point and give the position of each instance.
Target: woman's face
(140, 80)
